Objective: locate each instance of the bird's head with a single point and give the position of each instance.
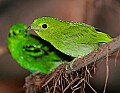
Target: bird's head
(18, 30)
(46, 26)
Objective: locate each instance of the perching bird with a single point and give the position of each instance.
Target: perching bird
(31, 52)
(72, 38)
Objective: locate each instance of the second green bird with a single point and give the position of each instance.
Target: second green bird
(31, 52)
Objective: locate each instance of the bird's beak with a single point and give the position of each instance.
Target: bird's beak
(35, 28)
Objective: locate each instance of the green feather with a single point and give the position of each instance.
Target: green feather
(32, 52)
(72, 38)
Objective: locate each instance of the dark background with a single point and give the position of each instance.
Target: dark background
(103, 14)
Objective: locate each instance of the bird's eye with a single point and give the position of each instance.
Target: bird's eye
(14, 33)
(9, 35)
(44, 26)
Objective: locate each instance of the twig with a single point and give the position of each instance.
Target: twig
(116, 56)
(70, 84)
(107, 71)
(91, 87)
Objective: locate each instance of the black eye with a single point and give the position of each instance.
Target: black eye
(44, 26)
(9, 35)
(14, 33)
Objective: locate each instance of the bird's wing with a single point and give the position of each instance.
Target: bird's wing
(84, 35)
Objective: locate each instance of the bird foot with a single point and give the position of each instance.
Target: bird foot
(79, 57)
(71, 64)
(36, 73)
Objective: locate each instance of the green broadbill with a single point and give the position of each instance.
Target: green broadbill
(31, 52)
(72, 38)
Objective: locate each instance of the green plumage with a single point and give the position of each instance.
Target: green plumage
(72, 38)
(32, 52)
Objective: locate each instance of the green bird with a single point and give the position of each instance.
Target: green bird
(31, 52)
(72, 38)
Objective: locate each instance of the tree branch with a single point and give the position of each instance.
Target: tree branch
(43, 80)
